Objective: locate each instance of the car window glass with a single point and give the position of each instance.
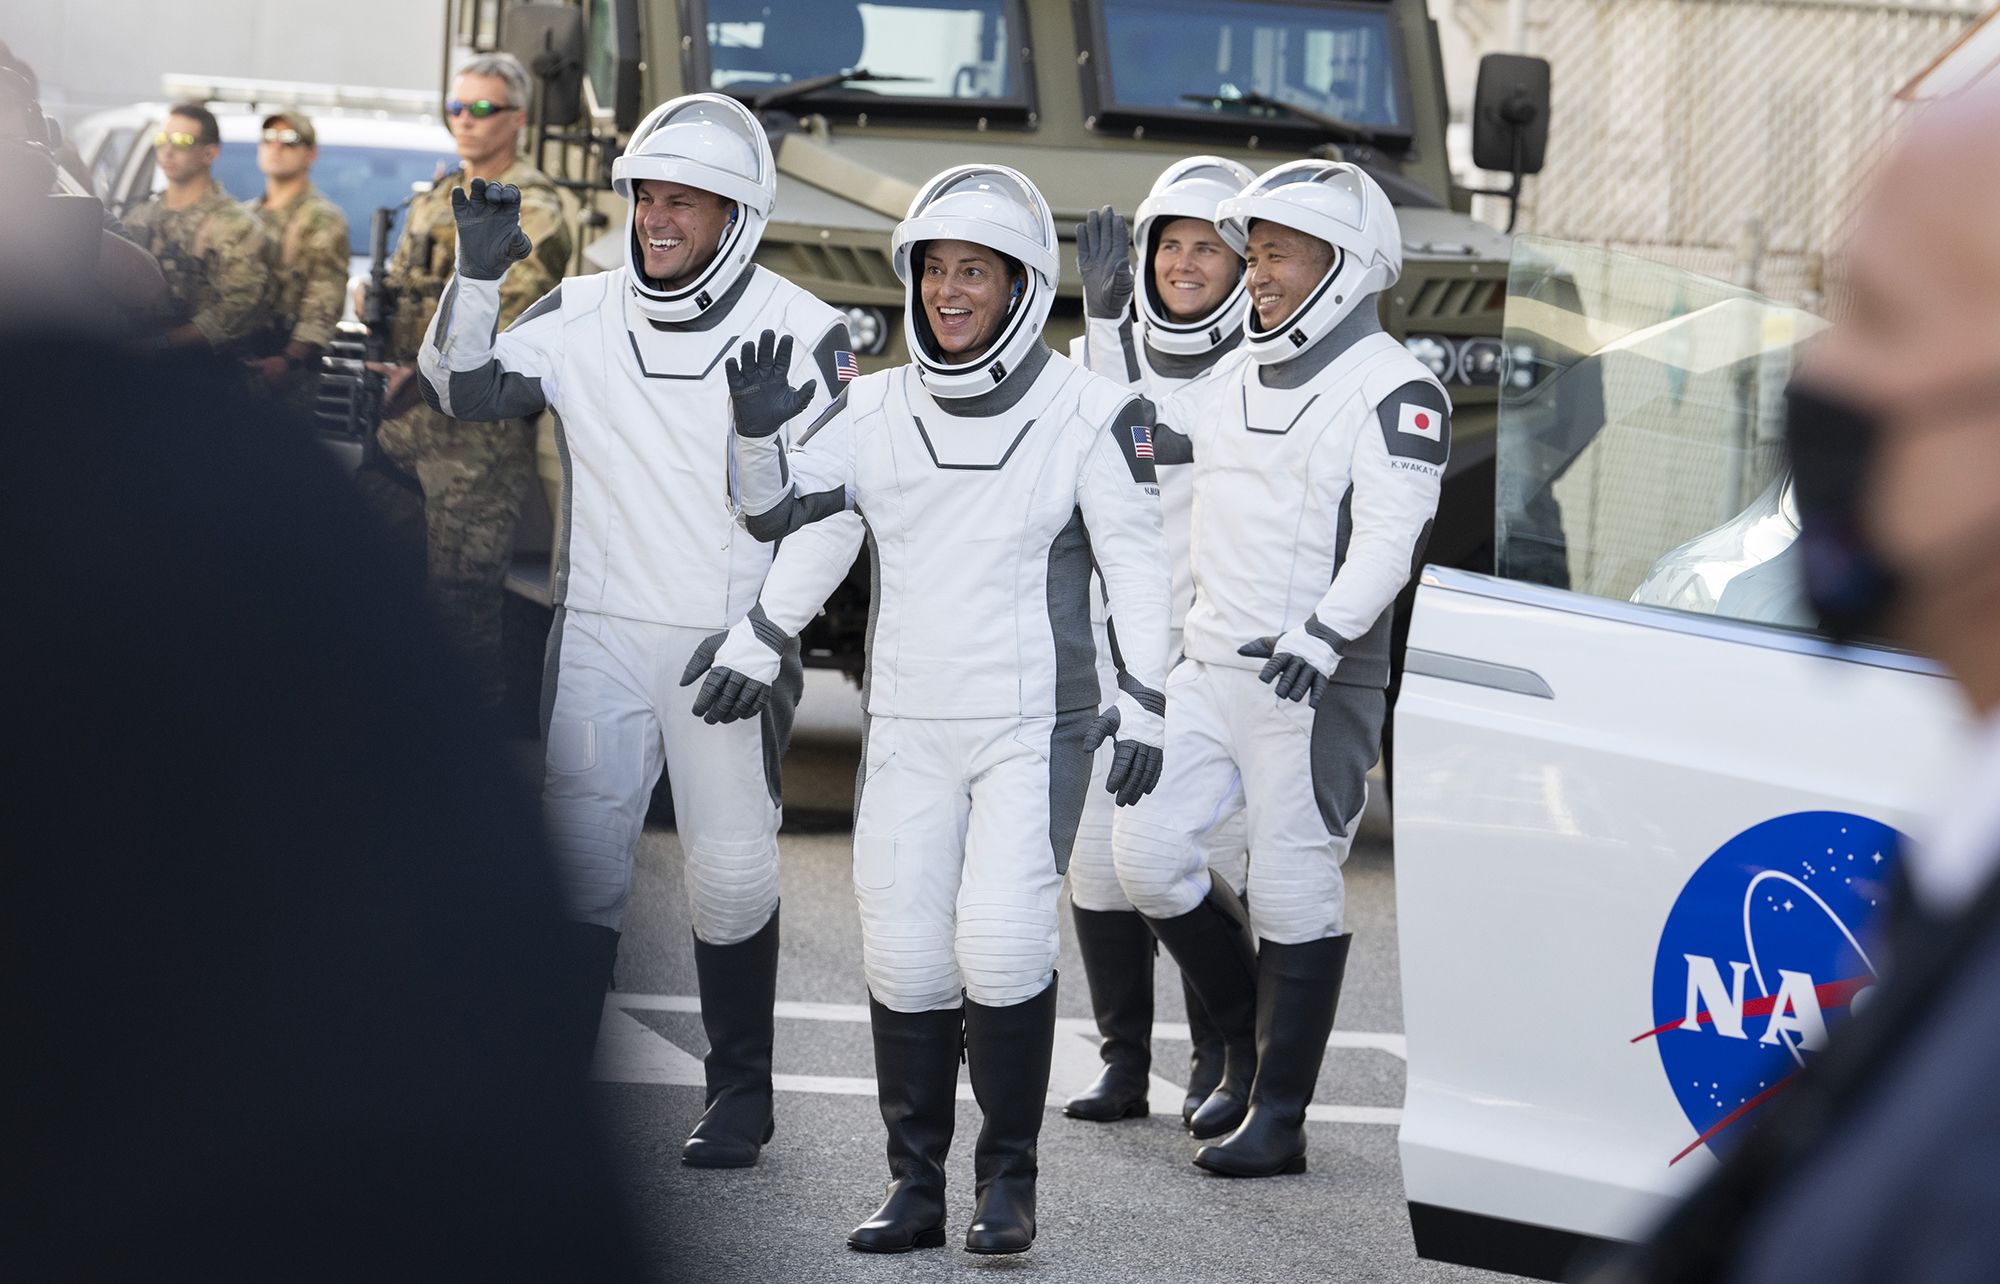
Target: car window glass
(108, 160)
(1640, 451)
(358, 179)
(942, 48)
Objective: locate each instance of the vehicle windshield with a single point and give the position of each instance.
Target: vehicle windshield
(358, 179)
(1641, 435)
(1202, 57)
(966, 49)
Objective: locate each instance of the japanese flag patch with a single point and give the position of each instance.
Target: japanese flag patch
(1420, 421)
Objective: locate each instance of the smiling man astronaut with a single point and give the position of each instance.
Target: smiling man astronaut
(656, 578)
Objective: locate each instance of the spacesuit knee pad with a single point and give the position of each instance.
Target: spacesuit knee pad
(1093, 874)
(593, 855)
(1007, 947)
(732, 887)
(1160, 868)
(910, 966)
(1226, 848)
(1295, 901)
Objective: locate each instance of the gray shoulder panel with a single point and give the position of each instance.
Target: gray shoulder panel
(834, 341)
(1416, 423)
(540, 307)
(1132, 429)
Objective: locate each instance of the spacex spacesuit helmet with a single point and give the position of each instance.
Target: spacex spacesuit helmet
(1342, 206)
(998, 208)
(711, 142)
(1191, 188)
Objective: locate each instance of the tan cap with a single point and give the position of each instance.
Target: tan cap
(297, 120)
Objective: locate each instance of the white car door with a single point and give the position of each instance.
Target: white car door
(1638, 846)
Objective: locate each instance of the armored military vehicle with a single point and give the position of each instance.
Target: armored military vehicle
(865, 99)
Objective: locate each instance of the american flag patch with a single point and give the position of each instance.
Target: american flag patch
(845, 366)
(1142, 441)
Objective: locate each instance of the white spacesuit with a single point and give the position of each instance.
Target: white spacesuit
(989, 483)
(1318, 454)
(653, 565)
(1131, 335)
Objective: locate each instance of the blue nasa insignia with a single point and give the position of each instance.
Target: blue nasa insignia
(1765, 951)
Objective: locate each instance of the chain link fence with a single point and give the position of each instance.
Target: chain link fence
(1727, 137)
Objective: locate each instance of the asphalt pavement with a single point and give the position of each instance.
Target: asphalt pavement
(1116, 1202)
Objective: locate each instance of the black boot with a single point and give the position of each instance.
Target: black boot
(916, 1079)
(590, 953)
(739, 987)
(1205, 1061)
(1218, 957)
(1008, 1050)
(1298, 988)
(1117, 949)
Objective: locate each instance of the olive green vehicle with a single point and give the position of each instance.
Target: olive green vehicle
(866, 99)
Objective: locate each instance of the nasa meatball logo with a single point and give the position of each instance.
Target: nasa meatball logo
(1766, 951)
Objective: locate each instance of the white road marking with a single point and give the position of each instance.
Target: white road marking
(629, 1051)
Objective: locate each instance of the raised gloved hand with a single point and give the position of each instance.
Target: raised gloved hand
(1297, 664)
(489, 229)
(760, 386)
(1104, 257)
(1136, 735)
(741, 663)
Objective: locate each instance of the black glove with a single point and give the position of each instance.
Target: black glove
(760, 388)
(1292, 676)
(1135, 766)
(728, 695)
(489, 229)
(1104, 258)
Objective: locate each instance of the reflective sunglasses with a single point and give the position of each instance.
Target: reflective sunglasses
(480, 108)
(287, 137)
(177, 139)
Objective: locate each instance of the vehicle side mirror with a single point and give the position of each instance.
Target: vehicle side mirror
(1510, 120)
(548, 39)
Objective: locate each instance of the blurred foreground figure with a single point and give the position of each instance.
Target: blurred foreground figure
(1882, 1161)
(280, 974)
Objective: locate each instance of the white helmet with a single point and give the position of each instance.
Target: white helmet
(998, 208)
(1191, 188)
(711, 142)
(1339, 204)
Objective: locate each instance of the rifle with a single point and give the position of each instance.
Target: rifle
(350, 394)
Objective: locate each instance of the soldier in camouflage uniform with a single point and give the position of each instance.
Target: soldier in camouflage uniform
(215, 256)
(474, 476)
(308, 235)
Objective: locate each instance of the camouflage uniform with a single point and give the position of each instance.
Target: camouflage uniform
(309, 242)
(217, 262)
(475, 476)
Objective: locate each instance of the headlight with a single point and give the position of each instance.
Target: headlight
(868, 328)
(1479, 362)
(1436, 353)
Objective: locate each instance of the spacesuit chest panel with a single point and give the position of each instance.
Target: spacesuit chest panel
(688, 355)
(963, 511)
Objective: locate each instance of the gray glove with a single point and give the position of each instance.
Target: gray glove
(1293, 676)
(489, 229)
(1104, 257)
(741, 665)
(1136, 757)
(760, 389)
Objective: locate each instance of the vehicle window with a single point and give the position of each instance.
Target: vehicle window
(1640, 448)
(358, 179)
(1200, 56)
(109, 160)
(943, 48)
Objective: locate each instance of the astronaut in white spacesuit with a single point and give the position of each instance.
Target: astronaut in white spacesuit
(655, 576)
(991, 472)
(1318, 453)
(1186, 315)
